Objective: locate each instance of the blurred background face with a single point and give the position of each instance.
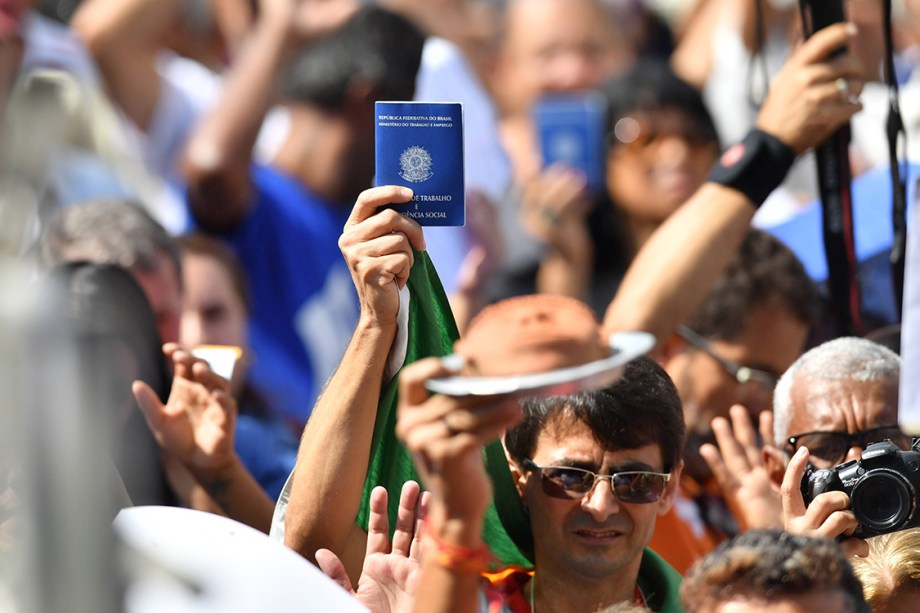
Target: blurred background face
(657, 159)
(213, 312)
(771, 340)
(553, 46)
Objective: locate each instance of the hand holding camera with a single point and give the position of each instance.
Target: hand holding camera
(882, 486)
(829, 514)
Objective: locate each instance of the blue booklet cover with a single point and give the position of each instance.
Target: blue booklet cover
(420, 145)
(571, 131)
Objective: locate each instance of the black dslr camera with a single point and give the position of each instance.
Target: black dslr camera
(883, 486)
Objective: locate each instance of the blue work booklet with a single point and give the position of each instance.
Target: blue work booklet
(571, 131)
(420, 145)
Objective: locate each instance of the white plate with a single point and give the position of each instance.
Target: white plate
(624, 346)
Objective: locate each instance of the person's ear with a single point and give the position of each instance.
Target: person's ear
(670, 489)
(520, 478)
(774, 462)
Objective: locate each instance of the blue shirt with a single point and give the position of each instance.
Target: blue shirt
(304, 305)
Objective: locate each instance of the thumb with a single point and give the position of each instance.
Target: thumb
(333, 568)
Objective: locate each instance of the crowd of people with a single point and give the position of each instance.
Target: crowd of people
(179, 177)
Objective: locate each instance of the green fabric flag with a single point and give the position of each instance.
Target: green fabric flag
(432, 332)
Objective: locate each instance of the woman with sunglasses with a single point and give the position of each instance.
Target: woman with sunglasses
(659, 147)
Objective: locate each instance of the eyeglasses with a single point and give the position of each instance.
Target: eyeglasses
(634, 486)
(832, 447)
(638, 133)
(747, 377)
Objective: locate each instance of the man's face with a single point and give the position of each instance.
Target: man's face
(595, 536)
(771, 340)
(555, 46)
(842, 406)
(164, 292)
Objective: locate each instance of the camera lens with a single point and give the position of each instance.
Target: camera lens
(882, 501)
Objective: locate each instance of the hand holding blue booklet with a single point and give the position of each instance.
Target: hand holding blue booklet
(420, 145)
(571, 132)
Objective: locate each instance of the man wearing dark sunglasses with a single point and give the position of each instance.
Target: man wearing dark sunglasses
(835, 400)
(594, 471)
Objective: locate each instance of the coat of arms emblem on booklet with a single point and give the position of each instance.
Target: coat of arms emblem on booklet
(419, 145)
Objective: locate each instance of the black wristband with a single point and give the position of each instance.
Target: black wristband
(755, 166)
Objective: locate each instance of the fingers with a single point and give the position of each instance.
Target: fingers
(828, 516)
(170, 348)
(824, 43)
(380, 260)
(459, 422)
(379, 249)
(855, 547)
(415, 549)
(729, 448)
(202, 373)
(563, 187)
(187, 366)
(228, 408)
(791, 491)
(844, 66)
(333, 568)
(378, 524)
(384, 222)
(371, 199)
(745, 435)
(724, 477)
(482, 416)
(557, 193)
(405, 518)
(766, 427)
(412, 380)
(150, 405)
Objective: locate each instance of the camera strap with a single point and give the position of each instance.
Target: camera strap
(834, 179)
(897, 135)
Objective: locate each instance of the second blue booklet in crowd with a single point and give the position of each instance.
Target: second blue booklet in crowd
(420, 145)
(571, 131)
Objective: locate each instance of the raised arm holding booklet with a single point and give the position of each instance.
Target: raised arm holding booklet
(419, 145)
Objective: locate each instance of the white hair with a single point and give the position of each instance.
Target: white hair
(842, 359)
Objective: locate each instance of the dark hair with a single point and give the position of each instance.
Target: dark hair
(108, 321)
(650, 85)
(641, 408)
(378, 46)
(108, 232)
(763, 271)
(768, 565)
(201, 244)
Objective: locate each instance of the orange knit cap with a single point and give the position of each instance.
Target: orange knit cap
(531, 334)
